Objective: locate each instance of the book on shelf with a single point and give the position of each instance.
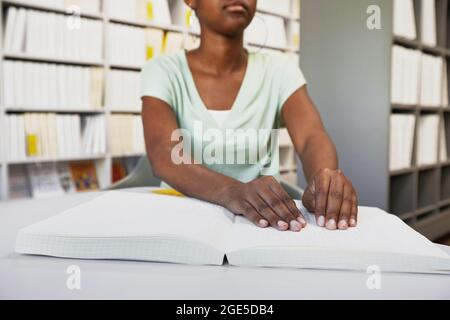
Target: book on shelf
(405, 73)
(402, 127)
(184, 16)
(143, 226)
(296, 9)
(51, 86)
(84, 175)
(122, 93)
(126, 45)
(279, 7)
(428, 140)
(294, 41)
(25, 27)
(443, 144)
(444, 98)
(19, 185)
(431, 81)
(154, 41)
(428, 23)
(122, 167)
(41, 181)
(173, 42)
(119, 171)
(126, 135)
(65, 178)
(44, 180)
(83, 6)
(267, 30)
(49, 135)
(153, 11)
(405, 19)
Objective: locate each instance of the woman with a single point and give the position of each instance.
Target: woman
(222, 86)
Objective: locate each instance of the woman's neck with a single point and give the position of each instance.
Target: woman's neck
(220, 54)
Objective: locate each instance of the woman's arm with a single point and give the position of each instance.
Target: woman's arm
(330, 195)
(263, 201)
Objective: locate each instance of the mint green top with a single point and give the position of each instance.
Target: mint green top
(269, 81)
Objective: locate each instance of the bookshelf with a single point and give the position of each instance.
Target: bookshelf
(104, 161)
(418, 194)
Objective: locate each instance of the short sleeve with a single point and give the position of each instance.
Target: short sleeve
(291, 79)
(155, 81)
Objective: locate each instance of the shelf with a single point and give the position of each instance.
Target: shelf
(428, 167)
(428, 188)
(283, 49)
(279, 15)
(407, 42)
(430, 109)
(57, 159)
(126, 67)
(36, 6)
(401, 172)
(403, 107)
(402, 194)
(35, 58)
(435, 226)
(145, 24)
(433, 50)
(49, 110)
(129, 155)
(125, 111)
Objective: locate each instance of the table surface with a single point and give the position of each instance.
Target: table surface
(35, 277)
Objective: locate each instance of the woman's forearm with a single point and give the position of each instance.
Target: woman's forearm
(193, 180)
(318, 153)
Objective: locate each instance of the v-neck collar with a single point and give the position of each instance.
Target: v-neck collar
(198, 101)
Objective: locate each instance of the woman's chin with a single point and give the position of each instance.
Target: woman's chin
(234, 29)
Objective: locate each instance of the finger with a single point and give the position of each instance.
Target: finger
(354, 213)
(334, 202)
(280, 209)
(251, 214)
(346, 209)
(308, 199)
(322, 185)
(267, 213)
(288, 202)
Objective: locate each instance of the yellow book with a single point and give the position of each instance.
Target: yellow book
(168, 192)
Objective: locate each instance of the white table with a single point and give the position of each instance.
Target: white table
(35, 277)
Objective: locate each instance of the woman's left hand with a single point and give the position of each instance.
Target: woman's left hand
(332, 198)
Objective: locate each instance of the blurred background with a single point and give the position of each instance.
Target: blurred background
(377, 70)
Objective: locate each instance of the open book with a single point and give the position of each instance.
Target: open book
(139, 225)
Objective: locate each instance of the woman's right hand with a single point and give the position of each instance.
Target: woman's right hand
(264, 202)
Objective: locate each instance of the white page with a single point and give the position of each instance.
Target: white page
(118, 214)
(377, 232)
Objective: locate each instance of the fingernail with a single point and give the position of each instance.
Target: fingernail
(283, 225)
(342, 225)
(321, 221)
(331, 224)
(263, 223)
(302, 221)
(295, 226)
(353, 222)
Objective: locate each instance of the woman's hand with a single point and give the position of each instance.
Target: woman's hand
(265, 203)
(333, 199)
